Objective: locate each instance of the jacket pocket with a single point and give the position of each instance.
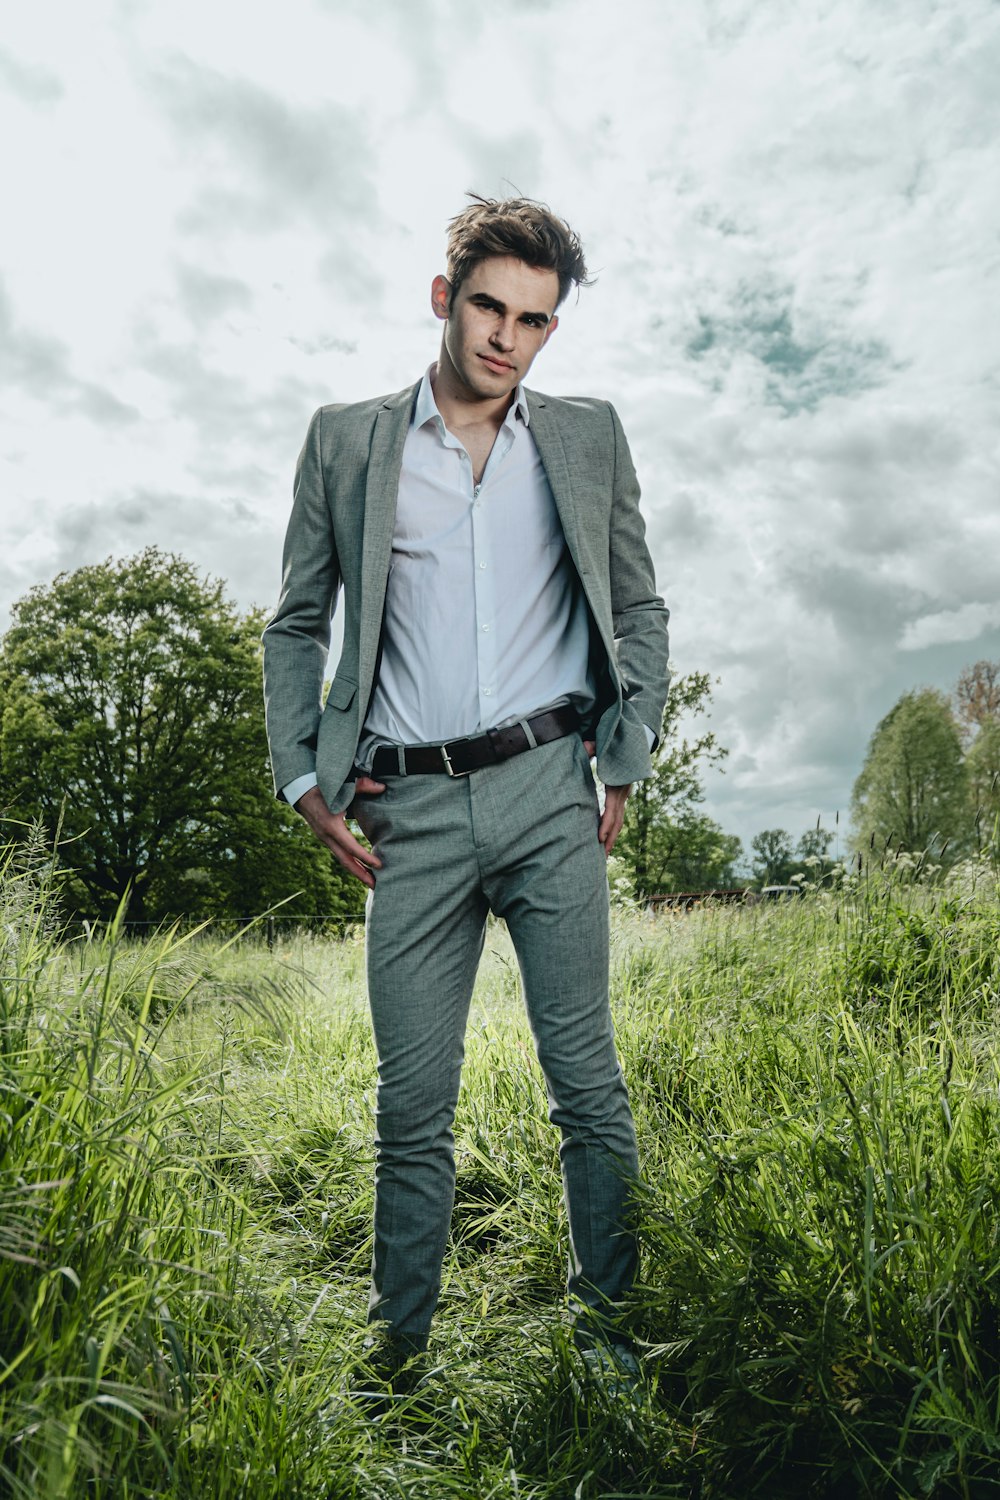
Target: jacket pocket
(341, 694)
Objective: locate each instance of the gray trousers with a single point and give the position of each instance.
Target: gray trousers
(518, 839)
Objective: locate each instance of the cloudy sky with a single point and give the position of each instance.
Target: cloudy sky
(218, 216)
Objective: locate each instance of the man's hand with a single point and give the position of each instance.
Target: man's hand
(615, 798)
(331, 829)
(610, 826)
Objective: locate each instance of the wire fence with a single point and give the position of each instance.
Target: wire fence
(272, 926)
(267, 926)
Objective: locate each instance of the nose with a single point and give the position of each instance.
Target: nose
(502, 337)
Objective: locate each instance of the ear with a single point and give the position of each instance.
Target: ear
(550, 329)
(441, 297)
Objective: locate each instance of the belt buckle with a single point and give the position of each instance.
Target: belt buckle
(455, 775)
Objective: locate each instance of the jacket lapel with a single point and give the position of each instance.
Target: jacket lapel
(548, 441)
(385, 459)
(547, 431)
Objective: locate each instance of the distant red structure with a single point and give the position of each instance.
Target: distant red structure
(685, 900)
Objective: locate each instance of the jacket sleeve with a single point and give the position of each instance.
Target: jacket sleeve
(297, 638)
(639, 615)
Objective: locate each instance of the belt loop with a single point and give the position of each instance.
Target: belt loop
(532, 742)
(401, 758)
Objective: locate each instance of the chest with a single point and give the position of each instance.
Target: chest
(478, 443)
(443, 504)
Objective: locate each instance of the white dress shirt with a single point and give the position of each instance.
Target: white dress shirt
(485, 619)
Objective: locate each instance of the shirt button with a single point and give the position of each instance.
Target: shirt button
(482, 565)
(486, 627)
(487, 692)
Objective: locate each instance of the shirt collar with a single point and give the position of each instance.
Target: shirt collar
(426, 407)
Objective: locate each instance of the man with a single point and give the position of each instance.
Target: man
(501, 626)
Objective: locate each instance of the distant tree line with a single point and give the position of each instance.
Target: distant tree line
(777, 861)
(930, 782)
(131, 729)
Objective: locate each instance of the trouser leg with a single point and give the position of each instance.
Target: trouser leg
(424, 935)
(552, 890)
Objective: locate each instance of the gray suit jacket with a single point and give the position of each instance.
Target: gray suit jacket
(340, 537)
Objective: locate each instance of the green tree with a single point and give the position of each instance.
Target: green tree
(913, 788)
(814, 844)
(774, 857)
(977, 709)
(696, 855)
(982, 761)
(664, 844)
(812, 853)
(132, 722)
(977, 696)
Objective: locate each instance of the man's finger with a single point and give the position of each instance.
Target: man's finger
(355, 858)
(608, 835)
(345, 846)
(366, 785)
(608, 829)
(351, 849)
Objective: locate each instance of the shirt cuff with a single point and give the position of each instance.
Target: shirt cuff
(298, 788)
(650, 736)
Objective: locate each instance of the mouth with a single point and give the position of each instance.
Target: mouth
(498, 366)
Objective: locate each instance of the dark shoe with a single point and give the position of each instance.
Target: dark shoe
(393, 1370)
(397, 1360)
(614, 1368)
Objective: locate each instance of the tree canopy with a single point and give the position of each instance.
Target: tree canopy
(913, 788)
(131, 722)
(977, 696)
(776, 862)
(666, 844)
(773, 856)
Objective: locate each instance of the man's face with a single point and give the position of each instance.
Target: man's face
(502, 314)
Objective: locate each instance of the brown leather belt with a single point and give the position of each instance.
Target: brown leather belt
(462, 757)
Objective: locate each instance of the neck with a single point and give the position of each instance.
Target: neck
(462, 407)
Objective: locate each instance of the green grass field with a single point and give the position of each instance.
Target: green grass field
(186, 1204)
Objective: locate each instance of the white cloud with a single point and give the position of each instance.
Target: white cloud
(948, 625)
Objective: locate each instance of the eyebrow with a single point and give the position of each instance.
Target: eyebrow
(484, 299)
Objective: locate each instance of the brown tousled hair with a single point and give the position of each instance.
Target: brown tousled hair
(520, 227)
